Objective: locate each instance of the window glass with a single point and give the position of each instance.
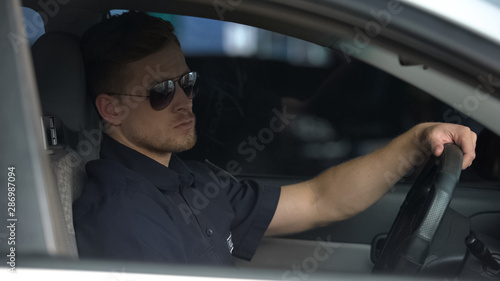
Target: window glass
(238, 40)
(276, 106)
(33, 24)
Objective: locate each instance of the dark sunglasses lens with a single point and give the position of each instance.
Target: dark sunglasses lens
(189, 84)
(162, 94)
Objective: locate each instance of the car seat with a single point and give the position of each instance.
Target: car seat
(70, 122)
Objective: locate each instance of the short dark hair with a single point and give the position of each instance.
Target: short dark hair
(118, 40)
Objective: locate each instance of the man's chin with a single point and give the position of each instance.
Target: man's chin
(186, 146)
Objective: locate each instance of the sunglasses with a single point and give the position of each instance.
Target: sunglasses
(162, 94)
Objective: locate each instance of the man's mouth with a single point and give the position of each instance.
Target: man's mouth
(187, 123)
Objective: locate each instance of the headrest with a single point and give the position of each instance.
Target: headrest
(60, 74)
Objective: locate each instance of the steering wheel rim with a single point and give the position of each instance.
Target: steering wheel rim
(421, 213)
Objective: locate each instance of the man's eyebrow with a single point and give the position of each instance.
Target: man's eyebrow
(152, 81)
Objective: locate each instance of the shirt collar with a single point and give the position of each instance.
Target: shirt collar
(172, 178)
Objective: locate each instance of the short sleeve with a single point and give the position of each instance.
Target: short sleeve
(254, 206)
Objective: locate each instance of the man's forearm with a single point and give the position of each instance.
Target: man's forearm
(347, 189)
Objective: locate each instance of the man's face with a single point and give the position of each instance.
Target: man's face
(171, 129)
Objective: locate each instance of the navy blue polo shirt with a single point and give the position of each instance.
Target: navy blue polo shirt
(134, 208)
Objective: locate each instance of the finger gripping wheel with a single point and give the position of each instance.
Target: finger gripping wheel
(421, 213)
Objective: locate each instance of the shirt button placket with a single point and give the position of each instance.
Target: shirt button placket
(209, 232)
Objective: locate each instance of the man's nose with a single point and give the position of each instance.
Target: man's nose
(181, 100)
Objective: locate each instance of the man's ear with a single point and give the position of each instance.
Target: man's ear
(108, 108)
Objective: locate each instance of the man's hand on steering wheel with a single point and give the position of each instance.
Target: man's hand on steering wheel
(435, 135)
(413, 231)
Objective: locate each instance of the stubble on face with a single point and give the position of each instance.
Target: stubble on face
(158, 132)
(161, 141)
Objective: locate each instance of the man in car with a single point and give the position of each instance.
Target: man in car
(143, 203)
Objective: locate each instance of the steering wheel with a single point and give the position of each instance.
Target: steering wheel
(421, 213)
